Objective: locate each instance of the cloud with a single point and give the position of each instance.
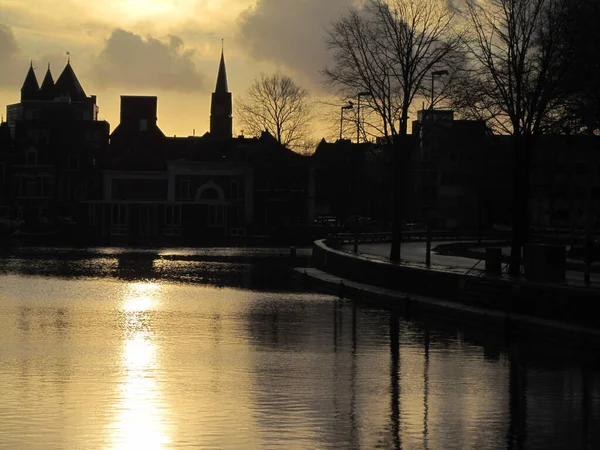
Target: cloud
(291, 32)
(129, 60)
(12, 62)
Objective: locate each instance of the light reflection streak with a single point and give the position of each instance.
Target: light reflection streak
(140, 421)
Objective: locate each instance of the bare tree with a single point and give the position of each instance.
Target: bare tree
(387, 50)
(516, 68)
(581, 112)
(307, 147)
(278, 105)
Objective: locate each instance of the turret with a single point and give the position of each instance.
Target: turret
(47, 89)
(68, 85)
(31, 88)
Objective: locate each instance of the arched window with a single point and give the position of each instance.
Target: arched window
(209, 194)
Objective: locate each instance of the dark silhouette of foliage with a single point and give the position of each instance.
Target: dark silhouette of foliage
(388, 49)
(278, 105)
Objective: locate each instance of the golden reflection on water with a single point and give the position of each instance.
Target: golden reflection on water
(140, 420)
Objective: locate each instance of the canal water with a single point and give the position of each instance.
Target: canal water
(217, 348)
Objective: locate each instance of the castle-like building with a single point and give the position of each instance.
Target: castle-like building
(136, 184)
(55, 139)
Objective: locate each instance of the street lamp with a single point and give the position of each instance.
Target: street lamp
(436, 73)
(360, 94)
(350, 105)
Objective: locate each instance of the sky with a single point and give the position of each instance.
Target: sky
(166, 48)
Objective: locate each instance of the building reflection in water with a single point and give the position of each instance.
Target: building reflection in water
(395, 378)
(517, 386)
(139, 421)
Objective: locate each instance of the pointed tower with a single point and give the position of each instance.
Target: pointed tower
(31, 88)
(68, 85)
(47, 88)
(221, 124)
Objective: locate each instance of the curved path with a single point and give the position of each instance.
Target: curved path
(414, 252)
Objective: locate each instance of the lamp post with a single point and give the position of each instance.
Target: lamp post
(436, 73)
(360, 94)
(350, 105)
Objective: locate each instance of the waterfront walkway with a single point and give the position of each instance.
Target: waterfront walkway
(443, 289)
(413, 254)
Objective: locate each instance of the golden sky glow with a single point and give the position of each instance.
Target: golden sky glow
(167, 48)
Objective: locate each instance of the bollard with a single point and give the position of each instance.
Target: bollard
(292, 251)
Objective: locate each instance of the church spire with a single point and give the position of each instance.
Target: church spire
(221, 121)
(222, 76)
(31, 88)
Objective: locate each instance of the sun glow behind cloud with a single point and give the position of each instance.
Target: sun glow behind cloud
(45, 30)
(165, 14)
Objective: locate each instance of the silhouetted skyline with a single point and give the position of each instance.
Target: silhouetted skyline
(124, 49)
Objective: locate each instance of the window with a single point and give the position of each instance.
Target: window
(216, 215)
(119, 215)
(173, 215)
(29, 189)
(209, 194)
(185, 189)
(73, 162)
(32, 188)
(235, 190)
(65, 188)
(82, 192)
(31, 157)
(92, 215)
(147, 221)
(449, 178)
(143, 124)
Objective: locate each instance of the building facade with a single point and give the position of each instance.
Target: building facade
(195, 188)
(57, 139)
(446, 170)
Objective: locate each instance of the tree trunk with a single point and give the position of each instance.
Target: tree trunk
(400, 167)
(396, 203)
(520, 220)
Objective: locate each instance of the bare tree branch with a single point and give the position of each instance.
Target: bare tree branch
(514, 83)
(278, 105)
(388, 48)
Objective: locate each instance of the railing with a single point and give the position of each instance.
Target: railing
(473, 268)
(411, 236)
(172, 231)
